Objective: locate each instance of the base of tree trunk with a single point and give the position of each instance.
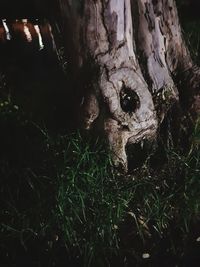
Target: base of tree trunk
(133, 55)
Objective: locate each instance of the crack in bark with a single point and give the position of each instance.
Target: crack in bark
(148, 15)
(104, 23)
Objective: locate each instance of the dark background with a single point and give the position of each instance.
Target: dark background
(49, 8)
(28, 8)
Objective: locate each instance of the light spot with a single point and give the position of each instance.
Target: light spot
(16, 107)
(131, 213)
(145, 255)
(37, 29)
(198, 239)
(52, 37)
(8, 36)
(26, 31)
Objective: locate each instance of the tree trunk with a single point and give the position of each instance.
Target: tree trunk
(128, 56)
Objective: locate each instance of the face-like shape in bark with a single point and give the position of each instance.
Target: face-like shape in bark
(133, 90)
(130, 114)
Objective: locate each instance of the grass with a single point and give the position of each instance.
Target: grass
(61, 200)
(67, 184)
(90, 201)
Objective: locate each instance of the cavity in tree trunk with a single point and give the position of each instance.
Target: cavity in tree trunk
(128, 57)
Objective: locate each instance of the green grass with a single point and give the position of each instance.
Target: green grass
(61, 193)
(91, 202)
(67, 184)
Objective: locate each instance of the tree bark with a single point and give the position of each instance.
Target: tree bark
(128, 56)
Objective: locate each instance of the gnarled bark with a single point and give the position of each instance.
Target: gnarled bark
(137, 51)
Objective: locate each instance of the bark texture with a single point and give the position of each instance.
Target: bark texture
(133, 52)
